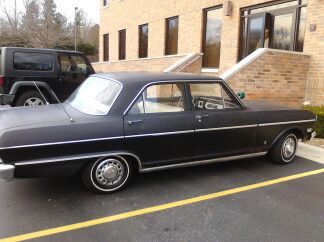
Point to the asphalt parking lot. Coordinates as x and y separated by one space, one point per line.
288 210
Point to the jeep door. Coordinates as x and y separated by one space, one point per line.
73 71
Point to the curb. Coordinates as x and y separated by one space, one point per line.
310 152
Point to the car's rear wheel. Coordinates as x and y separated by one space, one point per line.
284 150
106 175
30 98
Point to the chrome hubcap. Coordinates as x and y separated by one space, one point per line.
288 147
34 101
109 172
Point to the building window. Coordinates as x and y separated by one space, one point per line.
212 37
105 2
276 26
171 37
122 44
106 47
143 41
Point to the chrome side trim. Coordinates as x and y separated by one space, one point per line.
202 162
229 127
160 134
79 157
61 143
288 122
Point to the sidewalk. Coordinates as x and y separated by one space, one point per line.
310 152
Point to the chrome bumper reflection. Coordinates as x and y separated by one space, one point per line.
6 172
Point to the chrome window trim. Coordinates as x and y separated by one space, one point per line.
114 100
61 143
203 162
288 122
169 81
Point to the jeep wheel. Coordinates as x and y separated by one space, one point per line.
30 98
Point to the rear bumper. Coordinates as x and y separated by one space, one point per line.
6 172
6 98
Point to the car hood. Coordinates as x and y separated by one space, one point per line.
25 116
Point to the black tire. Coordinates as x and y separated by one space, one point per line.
284 150
95 176
24 98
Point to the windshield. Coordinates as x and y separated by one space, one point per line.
95 96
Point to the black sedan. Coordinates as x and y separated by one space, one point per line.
118 123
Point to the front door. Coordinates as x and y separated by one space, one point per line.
158 128
222 126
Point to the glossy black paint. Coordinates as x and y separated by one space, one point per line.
42 141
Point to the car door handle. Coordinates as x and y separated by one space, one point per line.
202 116
130 122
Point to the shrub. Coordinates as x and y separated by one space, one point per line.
319 126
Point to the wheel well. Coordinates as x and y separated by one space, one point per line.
299 134
23 89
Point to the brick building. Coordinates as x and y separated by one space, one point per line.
269 49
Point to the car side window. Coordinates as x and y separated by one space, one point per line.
72 63
160 98
210 96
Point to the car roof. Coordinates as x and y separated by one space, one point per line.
143 78
40 50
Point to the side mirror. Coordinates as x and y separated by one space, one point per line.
241 95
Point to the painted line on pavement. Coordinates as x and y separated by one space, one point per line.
108 219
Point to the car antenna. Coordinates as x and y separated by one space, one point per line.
40 93
71 119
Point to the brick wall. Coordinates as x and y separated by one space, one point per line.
276 76
148 64
314 45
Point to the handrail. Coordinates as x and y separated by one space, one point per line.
189 59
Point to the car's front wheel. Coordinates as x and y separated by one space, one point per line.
284 150
107 174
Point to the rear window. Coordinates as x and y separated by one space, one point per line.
24 61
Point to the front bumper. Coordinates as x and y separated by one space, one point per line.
6 98
6 172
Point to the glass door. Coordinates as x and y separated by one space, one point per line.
282 29
255 35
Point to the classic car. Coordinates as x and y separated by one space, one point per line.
119 123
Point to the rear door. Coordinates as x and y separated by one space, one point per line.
159 128
222 126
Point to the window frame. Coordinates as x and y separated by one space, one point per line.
141 94
34 52
228 91
242 50
204 29
140 27
122 56
166 40
105 47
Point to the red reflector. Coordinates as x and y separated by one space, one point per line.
1 80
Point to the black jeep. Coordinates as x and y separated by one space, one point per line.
30 77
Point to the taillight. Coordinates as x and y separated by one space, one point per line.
1 81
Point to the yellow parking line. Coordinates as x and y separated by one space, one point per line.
153 209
